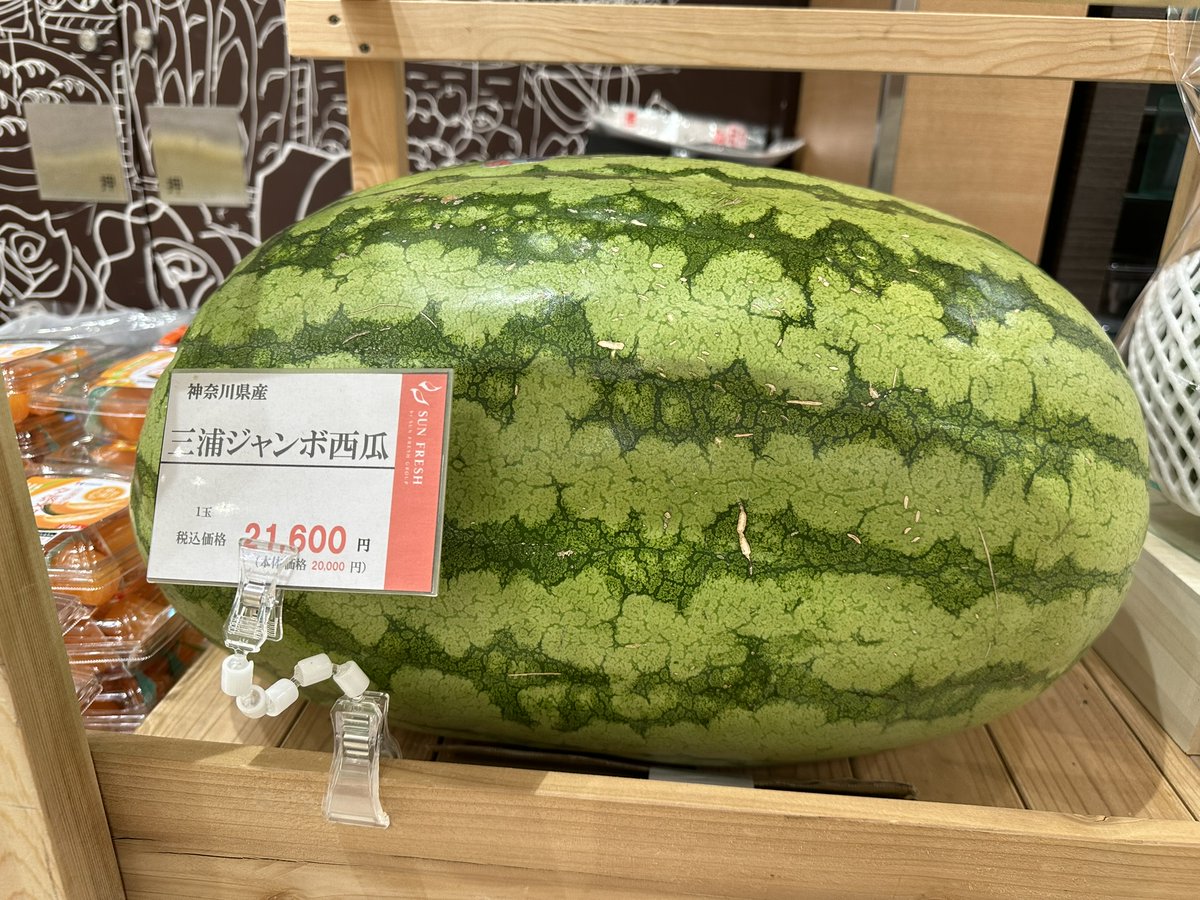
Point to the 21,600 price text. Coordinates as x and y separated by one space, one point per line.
304 538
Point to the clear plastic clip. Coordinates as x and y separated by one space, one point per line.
257 613
360 738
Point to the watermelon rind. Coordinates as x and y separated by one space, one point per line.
746 466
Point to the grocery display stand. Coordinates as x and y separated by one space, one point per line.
146 815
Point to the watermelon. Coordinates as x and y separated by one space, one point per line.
746 466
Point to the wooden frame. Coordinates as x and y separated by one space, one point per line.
200 819
374 36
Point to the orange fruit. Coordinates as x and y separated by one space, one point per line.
122 411
18 406
119 455
24 376
117 533
84 572
68 353
131 616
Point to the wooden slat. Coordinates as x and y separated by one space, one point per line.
996 167
152 875
196 708
837 119
312 730
27 864
55 837
959 768
376 106
1183 227
1153 643
1071 751
838 115
170 801
1038 6
1177 767
1026 46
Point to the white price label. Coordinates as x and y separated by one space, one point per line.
347 467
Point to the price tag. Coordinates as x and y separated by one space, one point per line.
347 467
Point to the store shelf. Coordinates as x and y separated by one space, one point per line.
1153 645
1085 747
1079 794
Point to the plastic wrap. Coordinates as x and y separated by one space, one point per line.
1160 341
128 693
91 558
82 401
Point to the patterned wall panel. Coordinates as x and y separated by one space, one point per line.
84 256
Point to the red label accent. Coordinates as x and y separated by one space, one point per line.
416 484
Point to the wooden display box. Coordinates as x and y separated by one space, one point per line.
1000 809
1078 795
1153 644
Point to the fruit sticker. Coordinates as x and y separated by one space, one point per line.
72 504
141 371
19 349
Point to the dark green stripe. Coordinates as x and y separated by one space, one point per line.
672 569
634 402
759 680
969 296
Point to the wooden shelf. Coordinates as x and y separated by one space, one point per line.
1154 643
1079 794
1085 747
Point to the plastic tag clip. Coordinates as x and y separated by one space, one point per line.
257 613
360 730
360 738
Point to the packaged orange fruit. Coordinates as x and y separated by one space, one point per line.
109 392
128 693
91 454
73 514
40 437
30 366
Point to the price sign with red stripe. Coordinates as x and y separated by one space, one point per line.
347 467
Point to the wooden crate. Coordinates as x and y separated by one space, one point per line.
1085 747
1153 644
1084 763
1079 795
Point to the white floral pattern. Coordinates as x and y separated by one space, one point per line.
80 256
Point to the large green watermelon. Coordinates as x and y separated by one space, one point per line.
746 466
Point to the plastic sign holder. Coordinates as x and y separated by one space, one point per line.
257 613
360 732
360 738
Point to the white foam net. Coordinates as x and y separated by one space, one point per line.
1163 356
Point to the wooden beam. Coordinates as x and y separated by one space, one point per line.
838 116
996 167
1072 751
1183 226
1177 767
55 837
960 768
378 113
1153 644
170 804
1022 46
